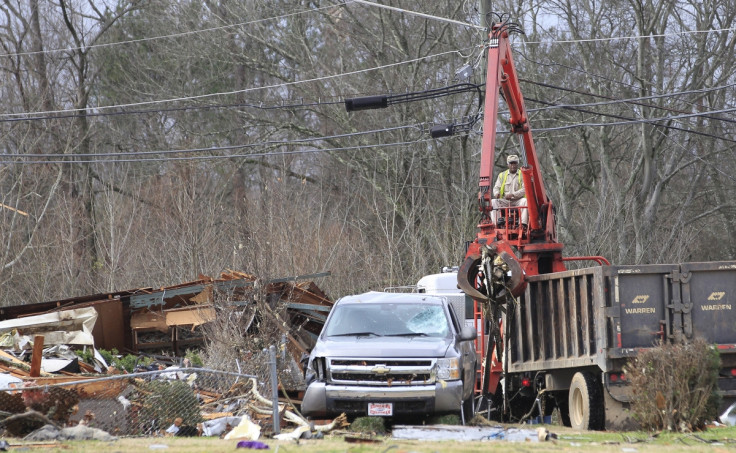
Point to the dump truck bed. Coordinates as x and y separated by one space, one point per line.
603 315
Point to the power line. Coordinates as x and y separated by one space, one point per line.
628 120
418 14
598 76
296 141
341 4
227 156
71 112
614 101
405 97
579 108
418 126
260 106
556 41
170 36
644 120
246 90
630 37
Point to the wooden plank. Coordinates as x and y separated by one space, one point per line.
17 372
9 358
37 356
97 389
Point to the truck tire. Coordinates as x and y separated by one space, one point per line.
468 409
563 407
585 402
557 402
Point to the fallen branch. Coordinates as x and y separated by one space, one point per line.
224 400
29 414
339 422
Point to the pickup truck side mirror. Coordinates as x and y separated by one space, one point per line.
468 333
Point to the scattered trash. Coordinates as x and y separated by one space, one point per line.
158 447
7 380
165 318
178 428
293 435
246 429
4 445
543 434
729 416
252 444
464 433
74 384
219 426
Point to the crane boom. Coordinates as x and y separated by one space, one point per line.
523 252
501 256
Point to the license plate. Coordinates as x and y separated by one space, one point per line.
381 409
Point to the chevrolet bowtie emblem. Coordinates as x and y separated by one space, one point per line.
380 369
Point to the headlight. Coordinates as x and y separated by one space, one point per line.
315 370
448 368
320 367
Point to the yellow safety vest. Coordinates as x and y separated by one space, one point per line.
505 175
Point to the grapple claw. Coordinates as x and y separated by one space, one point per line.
467 275
498 269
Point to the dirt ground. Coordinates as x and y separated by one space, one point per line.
713 440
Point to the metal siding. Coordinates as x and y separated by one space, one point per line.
712 300
569 319
543 306
572 302
557 321
641 297
585 315
554 320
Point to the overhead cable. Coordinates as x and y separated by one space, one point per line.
245 90
295 141
556 41
217 157
170 36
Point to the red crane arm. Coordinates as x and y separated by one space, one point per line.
502 74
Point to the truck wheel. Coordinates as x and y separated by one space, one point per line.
556 402
468 409
563 407
586 402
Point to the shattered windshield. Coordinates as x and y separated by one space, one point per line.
401 320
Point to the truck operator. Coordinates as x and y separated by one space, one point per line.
509 191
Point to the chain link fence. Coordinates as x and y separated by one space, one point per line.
173 401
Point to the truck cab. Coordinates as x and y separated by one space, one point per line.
392 355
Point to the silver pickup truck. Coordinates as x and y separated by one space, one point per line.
392 355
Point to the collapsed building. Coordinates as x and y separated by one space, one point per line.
170 320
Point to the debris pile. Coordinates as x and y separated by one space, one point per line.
53 374
175 401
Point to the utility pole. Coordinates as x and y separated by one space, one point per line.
484 9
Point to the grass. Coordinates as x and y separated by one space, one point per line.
713 440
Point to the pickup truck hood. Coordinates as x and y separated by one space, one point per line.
385 347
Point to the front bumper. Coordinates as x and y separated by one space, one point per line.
325 400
